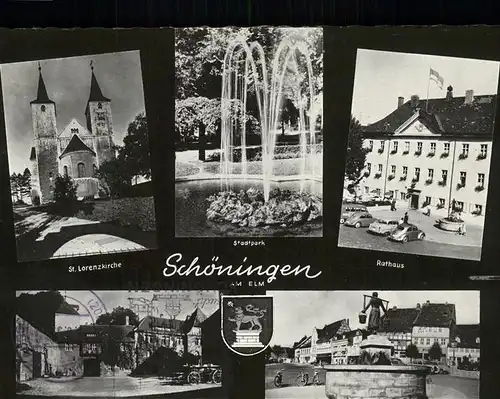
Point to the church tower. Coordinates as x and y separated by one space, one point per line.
44 152
99 121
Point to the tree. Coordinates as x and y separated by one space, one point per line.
15 188
135 152
412 351
133 159
435 352
64 190
39 309
118 317
26 183
356 154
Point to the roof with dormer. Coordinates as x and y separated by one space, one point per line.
74 145
400 320
436 315
329 331
443 115
466 335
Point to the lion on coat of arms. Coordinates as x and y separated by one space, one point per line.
253 319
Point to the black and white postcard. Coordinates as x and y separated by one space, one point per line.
77 142
118 344
248 128
365 344
419 151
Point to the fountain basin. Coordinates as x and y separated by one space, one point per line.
191 210
449 225
373 381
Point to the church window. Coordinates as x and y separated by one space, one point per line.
43 108
99 106
81 169
74 130
65 170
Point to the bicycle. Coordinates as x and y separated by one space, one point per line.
302 379
315 380
278 379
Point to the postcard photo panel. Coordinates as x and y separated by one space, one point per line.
78 149
373 344
419 151
119 344
248 121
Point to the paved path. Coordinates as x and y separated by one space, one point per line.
111 387
96 244
441 387
360 238
473 238
41 235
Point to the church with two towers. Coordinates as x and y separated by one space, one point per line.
76 151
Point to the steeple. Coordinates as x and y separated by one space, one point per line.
95 89
42 96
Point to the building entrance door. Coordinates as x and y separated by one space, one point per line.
414 200
91 368
37 364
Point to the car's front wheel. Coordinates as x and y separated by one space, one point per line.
421 236
357 225
342 220
405 239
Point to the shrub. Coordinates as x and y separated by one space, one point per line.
64 190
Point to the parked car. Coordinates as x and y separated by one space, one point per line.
407 232
383 226
349 209
360 219
396 362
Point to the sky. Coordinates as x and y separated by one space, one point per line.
382 76
68 84
296 313
207 301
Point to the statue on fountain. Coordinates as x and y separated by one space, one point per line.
375 319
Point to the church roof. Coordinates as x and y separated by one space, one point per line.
95 90
447 116
76 144
42 96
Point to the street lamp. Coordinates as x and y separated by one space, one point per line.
454 346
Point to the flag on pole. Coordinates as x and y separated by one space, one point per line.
436 77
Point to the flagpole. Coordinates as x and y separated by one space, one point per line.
428 88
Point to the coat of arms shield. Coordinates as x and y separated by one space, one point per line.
247 323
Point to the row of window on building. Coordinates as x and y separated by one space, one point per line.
483 149
441 202
430 175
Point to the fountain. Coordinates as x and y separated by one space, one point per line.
374 376
240 69
254 186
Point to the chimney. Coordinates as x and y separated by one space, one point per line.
127 320
469 97
415 100
449 93
401 101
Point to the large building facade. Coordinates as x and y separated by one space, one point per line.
76 151
432 152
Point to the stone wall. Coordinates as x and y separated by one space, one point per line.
369 382
137 211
